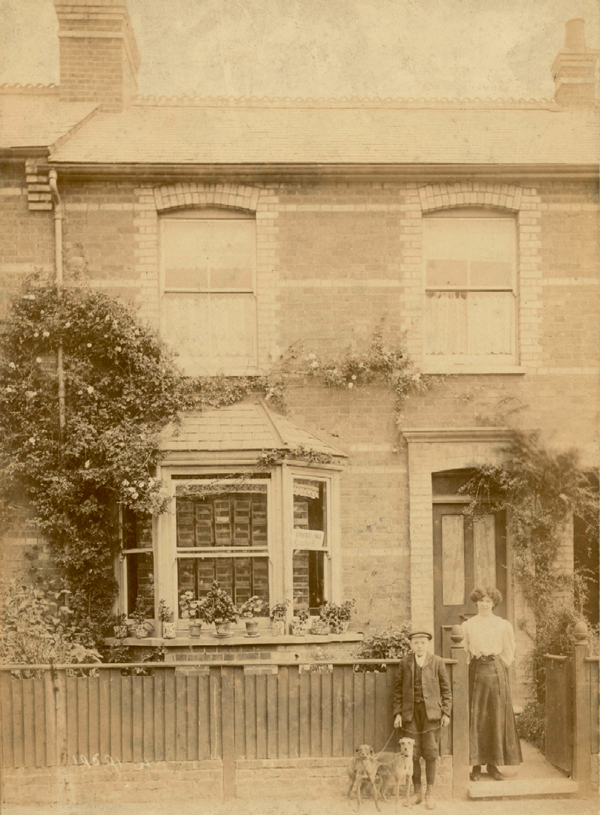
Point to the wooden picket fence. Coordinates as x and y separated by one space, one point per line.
572 711
192 712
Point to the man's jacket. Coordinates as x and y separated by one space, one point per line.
437 693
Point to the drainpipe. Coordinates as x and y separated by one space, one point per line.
58 264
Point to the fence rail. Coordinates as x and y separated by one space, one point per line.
186 711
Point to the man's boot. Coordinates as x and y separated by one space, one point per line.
418 794
429 802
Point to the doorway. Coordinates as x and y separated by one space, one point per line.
465 555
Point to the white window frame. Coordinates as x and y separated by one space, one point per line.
195 366
473 363
280 523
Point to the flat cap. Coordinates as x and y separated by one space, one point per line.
420 632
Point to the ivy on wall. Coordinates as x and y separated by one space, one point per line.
540 490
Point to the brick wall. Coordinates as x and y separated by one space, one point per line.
333 260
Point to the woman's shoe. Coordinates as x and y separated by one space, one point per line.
495 773
476 773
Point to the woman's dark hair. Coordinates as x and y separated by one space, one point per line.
487 591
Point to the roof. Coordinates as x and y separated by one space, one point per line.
239 427
356 133
38 119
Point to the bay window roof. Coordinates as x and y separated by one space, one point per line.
245 426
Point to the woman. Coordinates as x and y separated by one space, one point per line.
490 644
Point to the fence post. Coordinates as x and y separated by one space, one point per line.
460 716
582 745
228 733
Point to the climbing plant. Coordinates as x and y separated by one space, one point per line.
392 366
122 387
541 490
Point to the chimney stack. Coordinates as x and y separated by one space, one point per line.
99 58
574 69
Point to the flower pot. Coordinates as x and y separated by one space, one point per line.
223 629
300 627
320 628
278 628
339 627
121 631
141 631
195 628
252 628
168 631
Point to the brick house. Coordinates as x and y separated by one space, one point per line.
241 227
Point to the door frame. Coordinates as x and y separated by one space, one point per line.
432 450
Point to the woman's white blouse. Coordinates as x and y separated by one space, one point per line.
489 635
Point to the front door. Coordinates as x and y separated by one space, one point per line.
465 555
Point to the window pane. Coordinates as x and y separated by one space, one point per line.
491 322
140 582
446 238
184 255
241 578
187 323
453 560
308 580
492 239
446 323
310 514
496 274
233 325
447 273
136 530
484 545
226 519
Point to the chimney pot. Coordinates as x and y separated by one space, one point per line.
575 34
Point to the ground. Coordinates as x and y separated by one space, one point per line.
331 807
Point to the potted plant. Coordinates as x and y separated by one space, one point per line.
300 622
119 625
337 616
218 607
193 611
278 614
249 611
165 615
141 625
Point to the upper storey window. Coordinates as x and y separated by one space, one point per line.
208 276
470 260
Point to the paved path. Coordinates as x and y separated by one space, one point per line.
324 807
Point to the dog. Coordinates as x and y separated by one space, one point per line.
363 768
397 768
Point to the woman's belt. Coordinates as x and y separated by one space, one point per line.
486 658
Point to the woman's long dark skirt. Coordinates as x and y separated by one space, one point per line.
493 737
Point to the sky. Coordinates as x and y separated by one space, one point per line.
316 48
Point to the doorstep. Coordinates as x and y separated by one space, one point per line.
524 788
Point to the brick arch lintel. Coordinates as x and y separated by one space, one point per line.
192 194
470 194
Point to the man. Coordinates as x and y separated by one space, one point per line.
422 705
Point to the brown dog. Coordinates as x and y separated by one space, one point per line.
363 767
397 768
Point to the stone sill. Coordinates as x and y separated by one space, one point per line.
262 639
472 370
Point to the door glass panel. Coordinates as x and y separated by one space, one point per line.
484 545
453 560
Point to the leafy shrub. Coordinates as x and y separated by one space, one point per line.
38 627
390 643
531 724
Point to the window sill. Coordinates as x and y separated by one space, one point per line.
236 640
471 369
